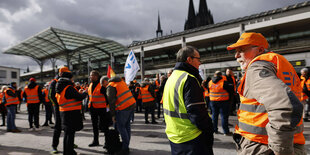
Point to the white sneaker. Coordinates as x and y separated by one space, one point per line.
31 129
37 129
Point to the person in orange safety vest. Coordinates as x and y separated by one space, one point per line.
270 112
122 105
219 90
10 100
305 95
148 100
97 106
33 98
48 107
70 104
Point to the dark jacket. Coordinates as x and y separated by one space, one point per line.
52 93
111 96
71 120
32 85
193 93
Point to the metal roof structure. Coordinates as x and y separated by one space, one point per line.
71 47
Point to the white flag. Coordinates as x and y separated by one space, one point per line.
201 73
131 67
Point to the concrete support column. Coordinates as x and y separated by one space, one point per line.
183 41
142 63
41 71
112 60
53 61
242 28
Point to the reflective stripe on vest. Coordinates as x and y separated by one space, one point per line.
96 99
67 104
175 112
124 97
253 116
146 95
32 95
9 99
217 92
206 92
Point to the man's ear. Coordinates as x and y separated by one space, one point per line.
188 59
261 50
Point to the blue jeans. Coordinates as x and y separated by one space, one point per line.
123 126
11 117
220 107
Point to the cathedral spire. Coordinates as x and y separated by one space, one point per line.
191 17
159 31
204 16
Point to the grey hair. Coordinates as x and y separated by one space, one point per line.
104 78
304 70
183 53
3 87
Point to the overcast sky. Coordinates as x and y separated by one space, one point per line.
121 20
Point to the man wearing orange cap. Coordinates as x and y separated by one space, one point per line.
70 105
270 112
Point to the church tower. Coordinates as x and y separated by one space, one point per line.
191 17
159 31
202 18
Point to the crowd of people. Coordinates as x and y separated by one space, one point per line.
269 100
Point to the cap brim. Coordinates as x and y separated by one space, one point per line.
236 45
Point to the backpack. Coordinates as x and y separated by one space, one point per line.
113 143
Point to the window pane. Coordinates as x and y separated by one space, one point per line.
2 73
14 75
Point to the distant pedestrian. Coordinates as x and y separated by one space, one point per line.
10 100
33 97
148 100
2 107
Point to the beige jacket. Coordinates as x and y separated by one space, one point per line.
282 106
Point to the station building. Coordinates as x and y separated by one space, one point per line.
8 75
286 29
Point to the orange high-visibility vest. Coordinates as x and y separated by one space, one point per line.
304 82
9 99
124 97
97 99
1 97
67 104
253 116
206 93
217 92
45 91
146 95
139 93
32 95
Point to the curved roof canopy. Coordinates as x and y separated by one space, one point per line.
68 46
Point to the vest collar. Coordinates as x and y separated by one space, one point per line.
189 69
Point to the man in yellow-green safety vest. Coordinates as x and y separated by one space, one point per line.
188 125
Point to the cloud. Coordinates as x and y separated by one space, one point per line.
121 20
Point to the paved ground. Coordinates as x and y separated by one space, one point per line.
146 139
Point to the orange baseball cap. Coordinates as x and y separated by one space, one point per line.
250 38
64 69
